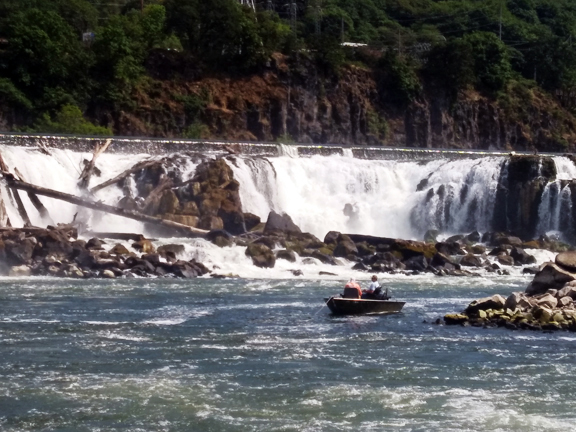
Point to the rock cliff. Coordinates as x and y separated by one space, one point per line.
292 101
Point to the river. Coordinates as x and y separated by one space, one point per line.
263 355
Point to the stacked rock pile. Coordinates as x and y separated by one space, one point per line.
547 304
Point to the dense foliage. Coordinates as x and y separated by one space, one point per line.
74 56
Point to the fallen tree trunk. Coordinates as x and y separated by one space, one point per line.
16 195
34 198
130 214
139 166
84 178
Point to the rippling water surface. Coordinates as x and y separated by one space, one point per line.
251 355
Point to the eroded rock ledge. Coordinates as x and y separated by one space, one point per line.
547 303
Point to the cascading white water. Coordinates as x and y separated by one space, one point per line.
454 195
387 198
555 210
60 171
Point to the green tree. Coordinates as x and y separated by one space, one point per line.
491 60
44 53
120 51
69 120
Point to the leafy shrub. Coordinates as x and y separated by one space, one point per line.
69 120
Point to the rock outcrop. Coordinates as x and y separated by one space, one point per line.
547 304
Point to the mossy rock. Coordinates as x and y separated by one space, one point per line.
455 318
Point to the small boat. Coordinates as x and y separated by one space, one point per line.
347 306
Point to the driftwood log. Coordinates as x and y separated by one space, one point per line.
33 197
16 196
139 166
84 179
12 182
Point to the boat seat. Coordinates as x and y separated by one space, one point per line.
351 293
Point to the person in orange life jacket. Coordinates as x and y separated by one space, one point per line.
349 289
373 289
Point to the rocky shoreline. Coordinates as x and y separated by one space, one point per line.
547 303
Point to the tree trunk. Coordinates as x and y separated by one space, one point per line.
130 214
139 166
89 168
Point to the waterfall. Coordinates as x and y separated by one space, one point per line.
555 210
59 170
329 190
386 197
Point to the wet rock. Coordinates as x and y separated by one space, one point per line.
144 246
360 266
478 249
345 247
269 241
325 273
548 301
498 251
251 221
494 302
287 255
297 272
508 240
280 222
521 257
455 239
152 258
549 276
108 274
441 260
323 258
513 300
505 259
567 260
95 243
566 302
455 319
262 255
567 291
19 253
331 238
210 222
449 248
171 250
473 237
119 249
416 263
232 220
471 260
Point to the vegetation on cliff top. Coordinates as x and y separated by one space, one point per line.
62 58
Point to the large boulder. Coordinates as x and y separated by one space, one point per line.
521 257
471 260
567 291
416 263
19 252
549 276
345 247
567 260
449 248
233 220
495 302
262 255
251 221
286 254
280 222
548 300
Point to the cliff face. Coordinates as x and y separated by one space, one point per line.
292 101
